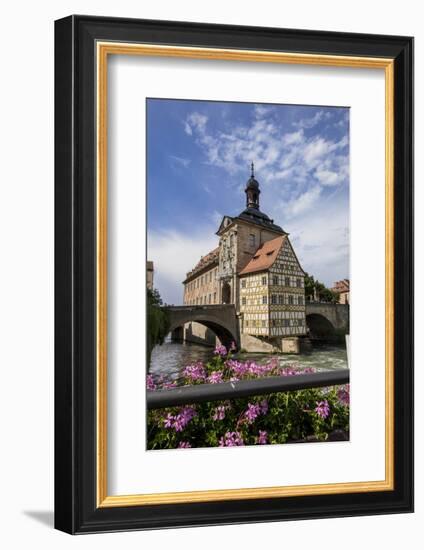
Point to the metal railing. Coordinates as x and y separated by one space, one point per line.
200 393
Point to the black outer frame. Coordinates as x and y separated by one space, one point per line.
75 275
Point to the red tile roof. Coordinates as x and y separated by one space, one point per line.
265 256
205 261
341 286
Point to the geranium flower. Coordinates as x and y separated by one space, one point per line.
184 445
231 439
343 395
195 372
237 367
215 377
263 405
219 413
252 412
150 383
169 420
263 437
179 422
221 351
322 409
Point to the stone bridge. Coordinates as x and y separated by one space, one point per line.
221 319
327 320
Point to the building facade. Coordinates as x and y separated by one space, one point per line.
201 286
255 268
272 292
342 288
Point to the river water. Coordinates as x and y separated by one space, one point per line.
169 358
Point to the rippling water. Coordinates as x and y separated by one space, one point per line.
168 359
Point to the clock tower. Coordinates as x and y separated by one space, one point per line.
252 190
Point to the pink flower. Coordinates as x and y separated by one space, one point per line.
183 418
231 439
221 351
252 412
184 445
263 437
263 406
179 422
343 395
288 371
169 420
322 409
215 377
195 372
150 382
237 367
219 413
273 363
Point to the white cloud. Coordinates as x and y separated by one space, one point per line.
303 202
278 155
195 121
294 170
180 161
343 121
174 254
262 110
321 240
327 177
310 122
293 137
314 150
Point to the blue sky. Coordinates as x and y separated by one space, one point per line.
198 158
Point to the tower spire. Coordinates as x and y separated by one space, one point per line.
252 190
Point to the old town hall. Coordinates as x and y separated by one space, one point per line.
256 269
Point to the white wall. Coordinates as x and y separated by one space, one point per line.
26 274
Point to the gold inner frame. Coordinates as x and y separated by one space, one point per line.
104 49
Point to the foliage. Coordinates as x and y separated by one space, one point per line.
309 286
157 321
276 418
314 287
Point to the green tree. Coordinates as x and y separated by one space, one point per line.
157 321
314 287
309 286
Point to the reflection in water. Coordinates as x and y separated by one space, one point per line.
168 359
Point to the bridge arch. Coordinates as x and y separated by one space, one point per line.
221 320
319 326
337 316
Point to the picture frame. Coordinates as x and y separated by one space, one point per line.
82 47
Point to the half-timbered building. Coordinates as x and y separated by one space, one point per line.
255 268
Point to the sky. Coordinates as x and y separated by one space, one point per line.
198 163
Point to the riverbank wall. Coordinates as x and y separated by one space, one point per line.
196 334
